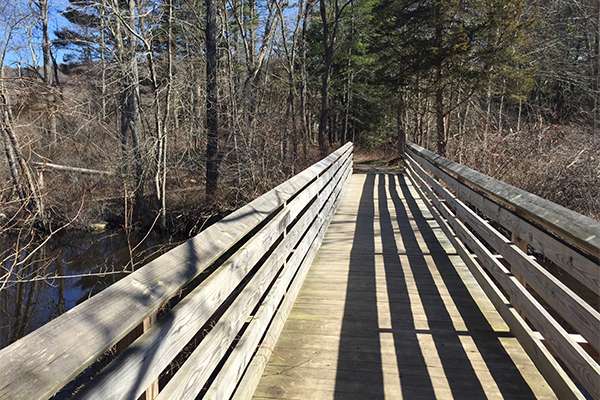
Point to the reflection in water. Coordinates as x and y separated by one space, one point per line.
38 283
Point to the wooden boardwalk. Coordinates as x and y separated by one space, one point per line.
389 311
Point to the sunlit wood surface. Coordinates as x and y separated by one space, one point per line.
389 311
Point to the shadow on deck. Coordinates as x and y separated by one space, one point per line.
389 311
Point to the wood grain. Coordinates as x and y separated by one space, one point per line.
584 269
556 377
578 361
191 377
247 385
582 231
38 365
580 315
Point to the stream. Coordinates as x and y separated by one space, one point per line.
40 282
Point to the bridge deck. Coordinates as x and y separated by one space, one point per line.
389 311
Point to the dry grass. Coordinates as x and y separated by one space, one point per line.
558 163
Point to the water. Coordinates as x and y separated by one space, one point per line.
43 281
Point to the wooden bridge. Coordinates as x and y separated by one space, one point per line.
438 283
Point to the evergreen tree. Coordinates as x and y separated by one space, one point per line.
441 47
82 37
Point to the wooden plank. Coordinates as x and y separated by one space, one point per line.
556 377
152 391
579 362
251 377
580 230
578 313
350 355
225 382
227 379
582 268
191 314
522 245
191 377
142 362
579 339
38 365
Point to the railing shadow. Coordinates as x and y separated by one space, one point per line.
358 343
413 341
506 376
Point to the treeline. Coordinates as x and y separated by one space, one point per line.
184 105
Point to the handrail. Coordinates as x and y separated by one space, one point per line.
248 268
536 223
578 229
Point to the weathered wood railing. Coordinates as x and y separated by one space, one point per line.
248 269
492 225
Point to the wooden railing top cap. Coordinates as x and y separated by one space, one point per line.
576 228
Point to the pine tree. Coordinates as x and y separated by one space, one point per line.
433 46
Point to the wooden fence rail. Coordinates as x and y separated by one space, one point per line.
502 234
248 269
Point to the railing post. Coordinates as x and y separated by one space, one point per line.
521 244
152 390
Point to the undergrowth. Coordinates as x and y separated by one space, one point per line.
558 163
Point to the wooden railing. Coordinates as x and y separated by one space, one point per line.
241 274
510 240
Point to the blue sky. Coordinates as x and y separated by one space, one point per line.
18 18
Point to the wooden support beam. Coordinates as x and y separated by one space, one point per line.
521 244
152 391
577 338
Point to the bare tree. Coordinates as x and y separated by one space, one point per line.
306 126
24 180
290 51
50 117
212 103
330 29
126 40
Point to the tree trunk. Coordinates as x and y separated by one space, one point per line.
500 114
160 176
324 107
439 93
50 117
212 116
489 108
23 179
328 48
290 112
596 71
347 101
303 84
255 65
348 91
439 122
399 126
43 5
102 57
130 111
519 116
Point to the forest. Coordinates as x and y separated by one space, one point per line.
189 104
163 115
